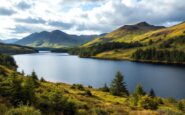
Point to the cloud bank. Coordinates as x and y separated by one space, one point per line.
22 17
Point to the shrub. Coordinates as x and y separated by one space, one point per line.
148 103
152 93
78 86
159 100
171 100
44 103
34 75
90 86
8 61
180 106
70 108
88 93
139 90
23 110
16 90
42 79
56 103
133 99
169 112
150 42
105 88
28 92
99 111
3 109
82 112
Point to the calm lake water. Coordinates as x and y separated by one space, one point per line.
166 80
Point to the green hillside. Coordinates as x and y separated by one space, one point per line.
15 49
125 33
163 39
167 45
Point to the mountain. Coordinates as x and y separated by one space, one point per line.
54 39
159 44
10 41
125 33
168 42
15 49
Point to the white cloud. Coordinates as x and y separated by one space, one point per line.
86 16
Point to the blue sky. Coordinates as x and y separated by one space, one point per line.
19 18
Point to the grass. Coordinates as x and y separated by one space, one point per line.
99 101
104 100
120 54
123 34
15 49
157 37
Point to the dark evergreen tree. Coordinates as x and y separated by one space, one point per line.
58 102
34 75
118 86
16 91
181 106
42 79
29 91
152 93
61 105
139 90
8 61
22 72
105 88
34 78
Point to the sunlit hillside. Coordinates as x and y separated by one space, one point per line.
125 33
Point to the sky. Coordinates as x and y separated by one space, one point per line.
19 18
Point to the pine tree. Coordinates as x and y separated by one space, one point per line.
29 91
105 88
16 91
139 90
118 86
34 75
34 78
58 102
42 79
152 93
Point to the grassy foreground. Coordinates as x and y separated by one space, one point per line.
27 95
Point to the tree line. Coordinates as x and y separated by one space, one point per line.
168 43
7 61
172 56
98 48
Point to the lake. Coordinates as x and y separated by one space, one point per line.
166 80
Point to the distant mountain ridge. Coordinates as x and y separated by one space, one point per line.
10 41
54 39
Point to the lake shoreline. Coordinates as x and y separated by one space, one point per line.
72 69
132 60
141 61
